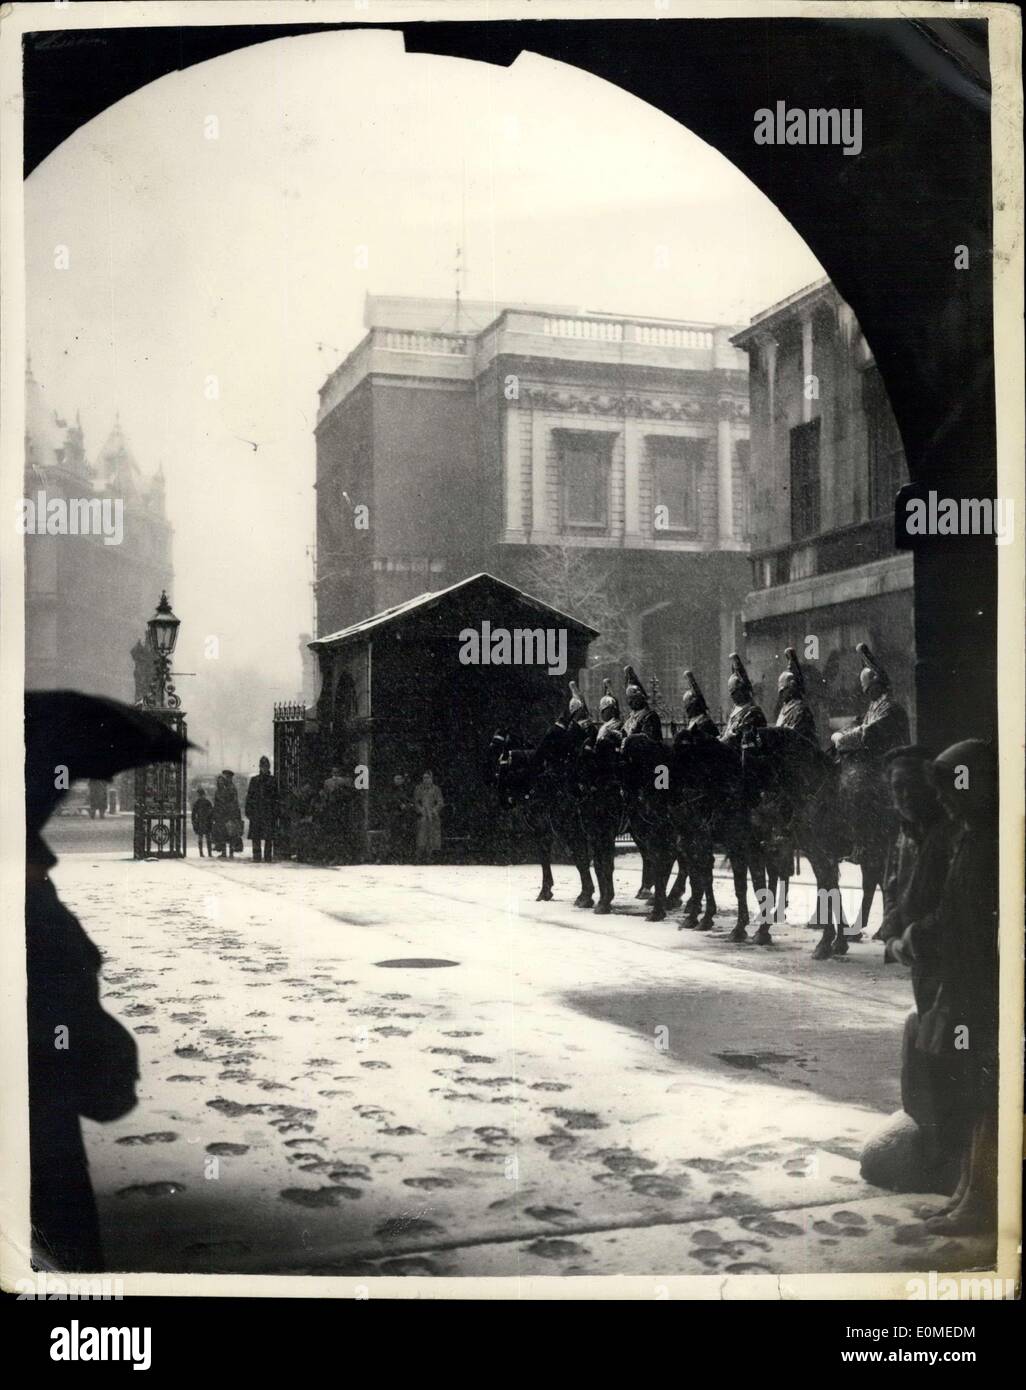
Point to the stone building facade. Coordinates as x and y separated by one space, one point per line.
827 461
599 462
87 603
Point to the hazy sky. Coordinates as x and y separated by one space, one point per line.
239 257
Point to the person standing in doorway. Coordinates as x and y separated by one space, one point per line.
428 803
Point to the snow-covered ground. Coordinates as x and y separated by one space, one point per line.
569 1094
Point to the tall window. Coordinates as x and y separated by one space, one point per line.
886 458
805 480
743 488
675 467
584 471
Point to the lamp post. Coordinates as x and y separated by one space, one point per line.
161 789
161 638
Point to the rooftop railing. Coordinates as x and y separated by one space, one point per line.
628 331
436 344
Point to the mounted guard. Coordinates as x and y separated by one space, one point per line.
696 712
746 715
794 712
642 718
885 723
610 718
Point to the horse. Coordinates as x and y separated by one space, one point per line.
536 784
831 808
597 775
712 806
645 776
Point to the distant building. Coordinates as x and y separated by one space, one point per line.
600 462
827 461
86 602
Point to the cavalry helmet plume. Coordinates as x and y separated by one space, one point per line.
792 672
871 665
578 704
739 680
632 680
694 700
609 705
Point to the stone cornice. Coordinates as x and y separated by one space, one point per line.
631 405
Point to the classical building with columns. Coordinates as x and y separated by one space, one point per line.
596 460
827 461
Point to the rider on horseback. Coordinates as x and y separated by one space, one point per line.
610 721
696 711
746 715
794 711
885 723
642 718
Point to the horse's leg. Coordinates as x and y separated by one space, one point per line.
705 890
587 893
662 863
739 869
692 864
645 891
872 873
582 858
676 893
776 888
604 859
757 868
828 908
543 845
710 899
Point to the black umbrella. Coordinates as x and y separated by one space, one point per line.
90 736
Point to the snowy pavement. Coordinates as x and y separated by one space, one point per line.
569 1094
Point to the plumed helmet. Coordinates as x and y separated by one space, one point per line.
578 704
792 672
871 666
632 679
738 681
694 700
609 705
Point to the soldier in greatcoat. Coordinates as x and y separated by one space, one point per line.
745 714
885 722
696 712
610 719
794 710
642 718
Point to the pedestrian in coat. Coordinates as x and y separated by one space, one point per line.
262 811
81 1060
226 828
962 1026
202 821
428 803
913 882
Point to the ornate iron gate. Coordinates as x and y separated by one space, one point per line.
289 722
161 800
288 746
